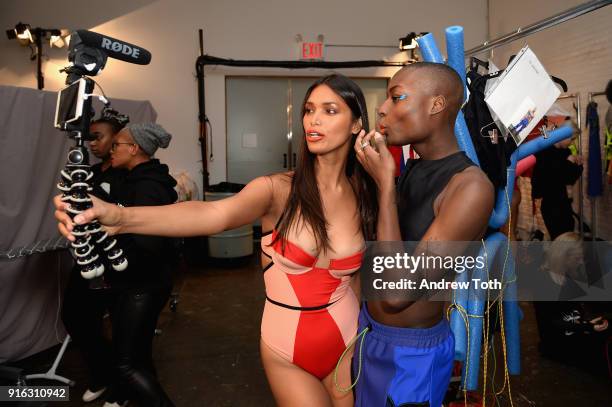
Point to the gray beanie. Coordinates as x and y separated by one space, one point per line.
149 136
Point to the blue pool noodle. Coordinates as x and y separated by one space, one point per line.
456 53
512 317
476 305
458 321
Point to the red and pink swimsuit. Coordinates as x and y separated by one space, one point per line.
311 312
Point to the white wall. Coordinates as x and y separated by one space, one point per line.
239 29
578 51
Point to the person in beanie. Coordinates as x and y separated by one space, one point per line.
140 292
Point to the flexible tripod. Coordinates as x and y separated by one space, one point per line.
91 241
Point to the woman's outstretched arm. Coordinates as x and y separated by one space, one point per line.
193 218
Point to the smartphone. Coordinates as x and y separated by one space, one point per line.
69 107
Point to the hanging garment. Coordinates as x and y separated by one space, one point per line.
595 183
608 151
493 151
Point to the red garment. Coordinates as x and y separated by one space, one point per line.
396 151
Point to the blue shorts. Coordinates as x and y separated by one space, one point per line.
402 366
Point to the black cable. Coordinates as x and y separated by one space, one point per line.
211 138
101 90
210 60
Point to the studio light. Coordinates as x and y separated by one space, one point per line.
408 42
56 39
23 32
33 37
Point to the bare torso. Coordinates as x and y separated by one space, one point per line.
424 313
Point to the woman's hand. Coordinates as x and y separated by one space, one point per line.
379 162
108 215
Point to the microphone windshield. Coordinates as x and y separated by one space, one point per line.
115 48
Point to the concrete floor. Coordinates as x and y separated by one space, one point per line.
208 351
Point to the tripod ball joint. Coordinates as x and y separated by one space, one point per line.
75 157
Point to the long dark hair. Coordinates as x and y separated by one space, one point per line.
304 202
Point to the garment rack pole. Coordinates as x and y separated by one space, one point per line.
593 94
577 108
539 26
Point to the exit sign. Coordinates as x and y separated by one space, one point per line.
312 50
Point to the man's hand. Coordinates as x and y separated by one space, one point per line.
107 214
379 162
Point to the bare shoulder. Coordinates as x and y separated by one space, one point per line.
281 179
472 185
473 178
465 207
280 185
470 188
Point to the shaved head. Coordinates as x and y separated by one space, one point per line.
422 103
436 80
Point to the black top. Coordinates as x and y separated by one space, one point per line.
151 259
552 173
419 186
105 182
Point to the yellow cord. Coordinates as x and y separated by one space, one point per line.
499 300
501 313
486 333
465 316
361 334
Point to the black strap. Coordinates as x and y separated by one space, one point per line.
268 266
291 307
280 219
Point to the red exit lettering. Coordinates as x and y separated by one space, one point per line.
312 50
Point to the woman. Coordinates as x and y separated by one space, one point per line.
139 293
317 217
571 331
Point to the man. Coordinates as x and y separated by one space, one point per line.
408 350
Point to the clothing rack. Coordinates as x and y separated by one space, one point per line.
594 94
521 32
578 109
533 28
594 200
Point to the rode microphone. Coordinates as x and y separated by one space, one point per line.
112 47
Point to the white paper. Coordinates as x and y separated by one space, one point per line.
522 96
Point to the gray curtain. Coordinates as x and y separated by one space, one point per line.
32 153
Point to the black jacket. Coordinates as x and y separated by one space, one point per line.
552 173
151 259
104 183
